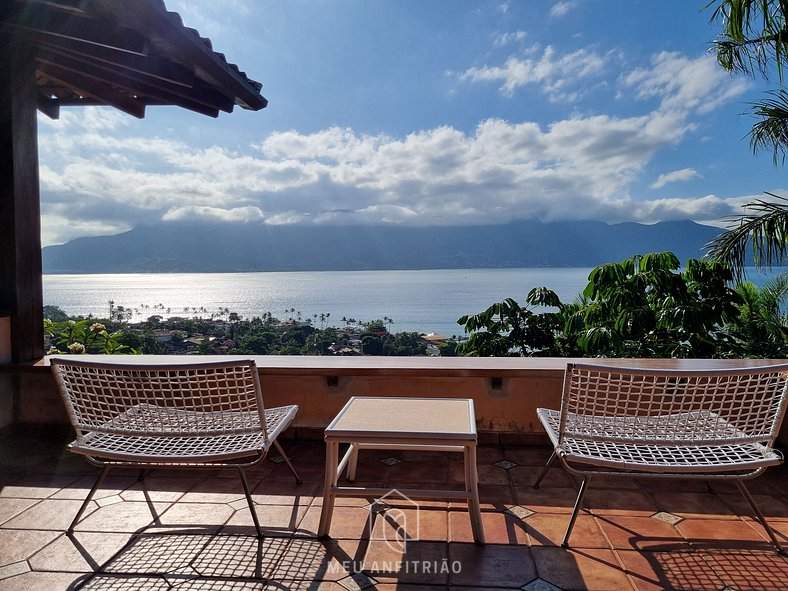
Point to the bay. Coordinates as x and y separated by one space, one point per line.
428 301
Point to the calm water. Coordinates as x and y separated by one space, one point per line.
424 301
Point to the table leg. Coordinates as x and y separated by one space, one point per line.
353 462
332 457
472 487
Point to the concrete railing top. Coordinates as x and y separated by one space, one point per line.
379 365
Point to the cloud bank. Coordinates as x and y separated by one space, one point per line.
98 178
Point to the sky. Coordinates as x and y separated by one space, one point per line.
426 112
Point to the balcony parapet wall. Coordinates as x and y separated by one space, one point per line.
506 391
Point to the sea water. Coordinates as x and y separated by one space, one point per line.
428 301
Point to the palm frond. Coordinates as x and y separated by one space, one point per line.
771 131
764 229
754 36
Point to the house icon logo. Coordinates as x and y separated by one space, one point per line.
394 519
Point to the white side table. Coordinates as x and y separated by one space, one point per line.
431 424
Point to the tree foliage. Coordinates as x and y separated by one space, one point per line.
644 306
508 329
761 328
83 336
763 231
754 41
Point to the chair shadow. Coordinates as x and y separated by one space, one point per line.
224 560
717 566
674 563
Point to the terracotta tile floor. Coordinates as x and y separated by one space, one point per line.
192 530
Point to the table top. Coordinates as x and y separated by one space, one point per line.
395 417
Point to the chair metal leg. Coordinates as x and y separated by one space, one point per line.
249 500
545 469
102 475
287 461
759 515
578 502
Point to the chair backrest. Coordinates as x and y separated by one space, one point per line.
673 407
168 400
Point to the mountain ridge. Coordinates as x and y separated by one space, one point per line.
238 247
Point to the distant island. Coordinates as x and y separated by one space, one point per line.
230 247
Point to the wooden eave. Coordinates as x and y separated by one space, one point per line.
126 54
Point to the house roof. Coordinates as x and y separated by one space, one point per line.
126 54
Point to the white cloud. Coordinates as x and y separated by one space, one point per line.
93 118
685 84
59 225
503 39
560 9
550 72
708 209
103 179
684 174
206 213
579 167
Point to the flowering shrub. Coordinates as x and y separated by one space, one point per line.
83 336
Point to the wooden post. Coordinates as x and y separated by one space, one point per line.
21 292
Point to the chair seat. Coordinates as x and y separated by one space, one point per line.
610 449
210 437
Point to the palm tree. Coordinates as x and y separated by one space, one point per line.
764 230
761 328
754 40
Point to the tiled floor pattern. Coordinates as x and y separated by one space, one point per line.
192 530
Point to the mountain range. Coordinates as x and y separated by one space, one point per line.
230 247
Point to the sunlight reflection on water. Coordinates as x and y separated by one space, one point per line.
425 301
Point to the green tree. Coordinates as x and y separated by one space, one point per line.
508 329
260 340
55 314
409 344
119 314
761 327
645 307
373 344
318 342
448 349
754 41
376 327
143 341
294 339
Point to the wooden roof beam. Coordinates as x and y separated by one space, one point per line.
86 31
73 7
199 94
149 65
141 88
48 106
136 83
87 87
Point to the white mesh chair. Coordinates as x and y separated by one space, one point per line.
170 416
668 423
